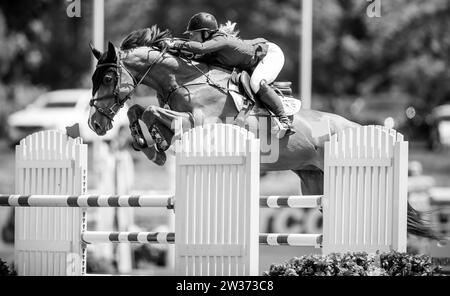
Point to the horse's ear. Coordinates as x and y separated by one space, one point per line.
111 52
97 54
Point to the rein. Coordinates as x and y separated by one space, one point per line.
112 110
208 81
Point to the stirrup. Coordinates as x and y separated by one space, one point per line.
284 132
284 129
278 130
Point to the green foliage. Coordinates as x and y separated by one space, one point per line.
356 264
4 269
397 264
406 49
43 45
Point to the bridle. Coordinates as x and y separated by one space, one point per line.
112 110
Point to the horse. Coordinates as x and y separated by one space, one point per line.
195 92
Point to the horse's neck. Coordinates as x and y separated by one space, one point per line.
189 85
174 73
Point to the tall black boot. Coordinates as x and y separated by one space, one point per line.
270 98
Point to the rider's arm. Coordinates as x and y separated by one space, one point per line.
209 46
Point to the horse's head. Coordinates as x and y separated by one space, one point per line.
112 85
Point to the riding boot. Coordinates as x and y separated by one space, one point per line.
273 102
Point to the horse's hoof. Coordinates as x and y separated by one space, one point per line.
161 143
160 158
135 146
140 142
139 145
154 155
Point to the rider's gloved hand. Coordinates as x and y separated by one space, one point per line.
168 43
173 44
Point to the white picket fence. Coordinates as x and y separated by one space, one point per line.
366 179
216 201
46 239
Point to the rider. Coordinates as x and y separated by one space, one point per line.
258 56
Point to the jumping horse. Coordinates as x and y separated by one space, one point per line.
195 93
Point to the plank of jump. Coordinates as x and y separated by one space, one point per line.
87 200
271 239
291 201
128 237
285 239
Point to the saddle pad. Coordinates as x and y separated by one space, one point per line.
291 105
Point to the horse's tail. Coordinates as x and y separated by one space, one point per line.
419 226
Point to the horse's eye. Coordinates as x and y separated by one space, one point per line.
107 79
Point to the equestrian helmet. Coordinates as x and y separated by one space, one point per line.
202 22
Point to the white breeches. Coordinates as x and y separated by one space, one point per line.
269 67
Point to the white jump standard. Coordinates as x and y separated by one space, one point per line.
216 201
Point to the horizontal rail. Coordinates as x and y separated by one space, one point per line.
90 237
271 239
291 201
87 201
280 239
168 201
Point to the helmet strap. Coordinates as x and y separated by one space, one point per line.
204 35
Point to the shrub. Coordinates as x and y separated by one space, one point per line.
356 264
4 269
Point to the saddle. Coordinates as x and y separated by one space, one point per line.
245 99
243 96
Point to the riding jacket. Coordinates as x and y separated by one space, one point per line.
228 51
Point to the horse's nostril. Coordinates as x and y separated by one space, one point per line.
97 126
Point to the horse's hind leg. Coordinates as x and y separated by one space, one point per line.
311 181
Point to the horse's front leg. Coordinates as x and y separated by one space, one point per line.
161 125
135 113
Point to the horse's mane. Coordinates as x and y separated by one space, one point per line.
229 28
144 37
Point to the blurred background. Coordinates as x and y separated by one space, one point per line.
392 69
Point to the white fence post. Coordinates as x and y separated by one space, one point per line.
400 207
365 191
47 240
217 201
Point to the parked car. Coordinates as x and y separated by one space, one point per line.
58 109
439 121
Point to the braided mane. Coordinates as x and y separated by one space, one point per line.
144 37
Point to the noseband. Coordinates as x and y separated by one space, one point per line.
112 110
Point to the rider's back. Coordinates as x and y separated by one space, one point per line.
229 51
